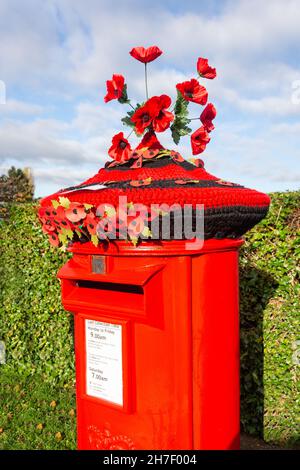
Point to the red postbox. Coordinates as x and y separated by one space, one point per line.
157 345
156 322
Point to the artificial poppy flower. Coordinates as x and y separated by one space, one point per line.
148 148
176 156
58 212
53 239
205 70
197 162
153 113
199 140
138 183
48 226
193 91
42 213
208 114
186 181
136 226
150 141
120 149
75 212
162 121
106 228
115 88
144 115
90 222
145 55
64 224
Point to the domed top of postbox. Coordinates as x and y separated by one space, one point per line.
143 186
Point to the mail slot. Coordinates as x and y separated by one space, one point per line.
157 345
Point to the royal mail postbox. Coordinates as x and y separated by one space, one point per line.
157 345
156 316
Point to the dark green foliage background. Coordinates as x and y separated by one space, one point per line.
270 314
39 337
36 329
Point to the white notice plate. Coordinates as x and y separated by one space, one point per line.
104 377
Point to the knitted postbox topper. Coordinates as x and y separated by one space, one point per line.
139 189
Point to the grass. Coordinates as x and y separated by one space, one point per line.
36 415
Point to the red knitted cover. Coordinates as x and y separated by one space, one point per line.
230 209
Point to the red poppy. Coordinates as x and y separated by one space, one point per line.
153 113
208 114
193 91
162 121
137 183
186 181
176 156
106 228
53 239
144 115
150 141
115 88
145 55
75 212
136 226
64 224
90 222
204 69
199 140
120 149
57 213
48 226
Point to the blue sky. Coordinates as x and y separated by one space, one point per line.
57 54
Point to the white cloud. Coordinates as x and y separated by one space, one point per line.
61 52
20 107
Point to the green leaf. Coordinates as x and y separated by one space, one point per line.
95 240
64 202
55 203
127 121
124 98
181 105
147 232
180 127
70 234
63 238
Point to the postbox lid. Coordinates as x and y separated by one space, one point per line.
144 185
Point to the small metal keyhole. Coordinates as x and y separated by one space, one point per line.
98 264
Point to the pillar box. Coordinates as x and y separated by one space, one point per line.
153 284
157 345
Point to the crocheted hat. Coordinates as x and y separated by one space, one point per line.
155 181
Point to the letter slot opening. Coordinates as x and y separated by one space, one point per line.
111 286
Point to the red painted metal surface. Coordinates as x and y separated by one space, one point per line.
178 311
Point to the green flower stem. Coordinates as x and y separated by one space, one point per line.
130 134
146 81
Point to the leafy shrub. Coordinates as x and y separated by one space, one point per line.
269 311
36 329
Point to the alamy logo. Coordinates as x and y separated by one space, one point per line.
296 93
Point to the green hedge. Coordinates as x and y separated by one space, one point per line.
270 306
39 338
36 329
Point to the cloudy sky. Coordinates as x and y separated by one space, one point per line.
56 55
